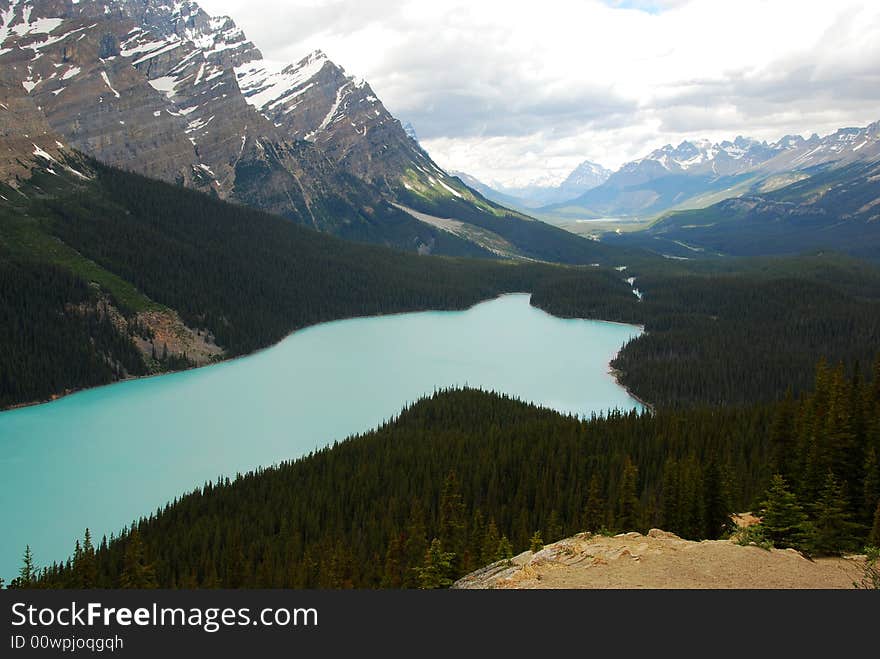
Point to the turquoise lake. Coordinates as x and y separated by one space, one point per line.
103 457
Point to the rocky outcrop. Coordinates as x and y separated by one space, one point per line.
662 560
166 332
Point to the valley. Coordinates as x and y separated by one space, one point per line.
186 98
154 438
254 335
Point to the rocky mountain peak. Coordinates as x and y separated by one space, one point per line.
410 130
585 176
317 101
165 89
790 142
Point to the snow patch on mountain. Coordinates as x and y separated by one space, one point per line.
165 84
585 176
107 82
341 94
267 84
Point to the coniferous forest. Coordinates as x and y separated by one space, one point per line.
248 277
742 418
465 478
729 338
53 335
251 278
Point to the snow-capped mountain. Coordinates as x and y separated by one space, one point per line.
163 88
836 208
410 130
697 173
550 188
586 176
842 147
315 100
700 157
490 192
791 152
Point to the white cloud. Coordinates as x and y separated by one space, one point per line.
507 90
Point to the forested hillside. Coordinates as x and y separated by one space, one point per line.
530 237
734 331
718 331
464 478
829 208
53 336
245 277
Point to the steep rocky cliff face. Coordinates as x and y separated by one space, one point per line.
315 100
164 89
25 137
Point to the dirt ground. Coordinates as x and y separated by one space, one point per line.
662 560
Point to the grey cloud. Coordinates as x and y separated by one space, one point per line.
468 115
457 81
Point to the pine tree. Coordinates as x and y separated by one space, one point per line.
336 567
554 527
596 508
89 566
437 570
716 512
491 543
452 519
847 456
136 572
871 488
783 518
671 497
188 581
211 580
628 516
874 538
393 574
831 529
235 574
692 509
505 549
475 542
75 567
783 442
28 572
817 449
536 543
416 543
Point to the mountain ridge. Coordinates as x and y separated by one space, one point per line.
169 91
541 191
833 208
697 173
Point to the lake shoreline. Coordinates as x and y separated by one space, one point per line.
134 378
616 373
154 441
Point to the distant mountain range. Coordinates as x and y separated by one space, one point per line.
831 208
544 191
162 88
694 174
698 174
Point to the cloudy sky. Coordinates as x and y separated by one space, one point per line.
513 91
